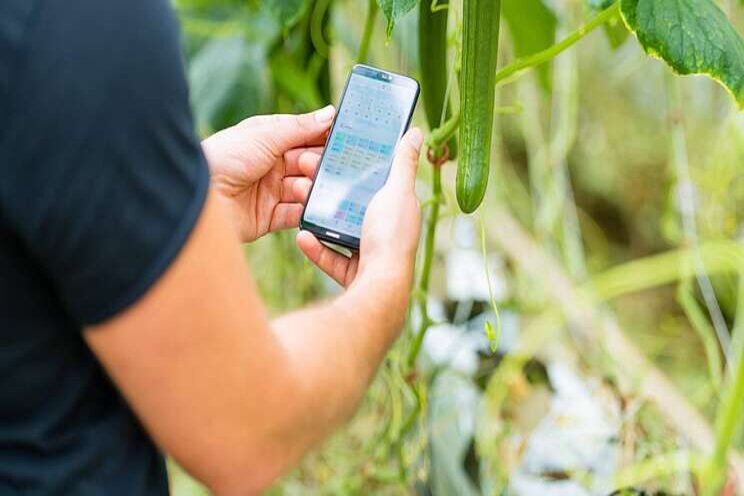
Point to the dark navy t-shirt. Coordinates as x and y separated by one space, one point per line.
101 181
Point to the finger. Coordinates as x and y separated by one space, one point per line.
403 172
281 133
258 120
285 216
295 189
308 164
264 122
296 160
340 268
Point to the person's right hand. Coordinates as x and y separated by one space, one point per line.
390 232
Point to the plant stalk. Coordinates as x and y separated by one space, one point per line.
700 324
730 411
443 133
369 29
422 288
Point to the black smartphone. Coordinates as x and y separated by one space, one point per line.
374 113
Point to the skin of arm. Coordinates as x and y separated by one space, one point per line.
235 398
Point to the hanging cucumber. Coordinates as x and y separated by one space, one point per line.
480 46
433 61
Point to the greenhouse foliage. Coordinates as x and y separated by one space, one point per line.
581 331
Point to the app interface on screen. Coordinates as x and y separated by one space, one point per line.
359 153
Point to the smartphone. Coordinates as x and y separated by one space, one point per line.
374 113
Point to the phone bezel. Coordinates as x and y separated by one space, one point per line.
329 235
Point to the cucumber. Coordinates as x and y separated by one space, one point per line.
480 47
433 62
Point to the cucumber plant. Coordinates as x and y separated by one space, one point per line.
690 36
480 48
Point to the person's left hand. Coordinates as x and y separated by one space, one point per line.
263 167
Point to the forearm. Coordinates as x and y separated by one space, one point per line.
334 349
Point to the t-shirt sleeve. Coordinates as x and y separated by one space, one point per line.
105 176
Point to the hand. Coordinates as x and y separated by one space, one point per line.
263 167
390 232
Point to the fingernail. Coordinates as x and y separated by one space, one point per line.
415 137
325 114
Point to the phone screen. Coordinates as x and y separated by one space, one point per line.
374 113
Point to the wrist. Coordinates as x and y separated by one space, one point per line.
393 268
231 212
387 286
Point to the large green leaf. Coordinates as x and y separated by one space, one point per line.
213 72
692 36
295 82
532 28
226 82
394 10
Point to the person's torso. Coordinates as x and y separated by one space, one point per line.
64 429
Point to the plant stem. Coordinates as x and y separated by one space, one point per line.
700 324
730 411
422 288
317 20
444 132
369 28
686 206
550 52
493 341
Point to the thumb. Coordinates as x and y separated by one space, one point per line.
283 132
403 172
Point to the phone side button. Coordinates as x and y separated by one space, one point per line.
333 234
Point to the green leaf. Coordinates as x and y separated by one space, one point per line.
213 72
692 36
287 12
532 28
226 82
394 10
295 82
493 339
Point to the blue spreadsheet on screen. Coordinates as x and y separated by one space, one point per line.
358 154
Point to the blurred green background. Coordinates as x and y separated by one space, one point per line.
601 157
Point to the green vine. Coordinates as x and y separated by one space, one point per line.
369 28
552 51
421 291
446 130
316 28
436 144
730 410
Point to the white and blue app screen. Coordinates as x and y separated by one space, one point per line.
371 119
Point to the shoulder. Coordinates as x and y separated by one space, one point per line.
105 174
